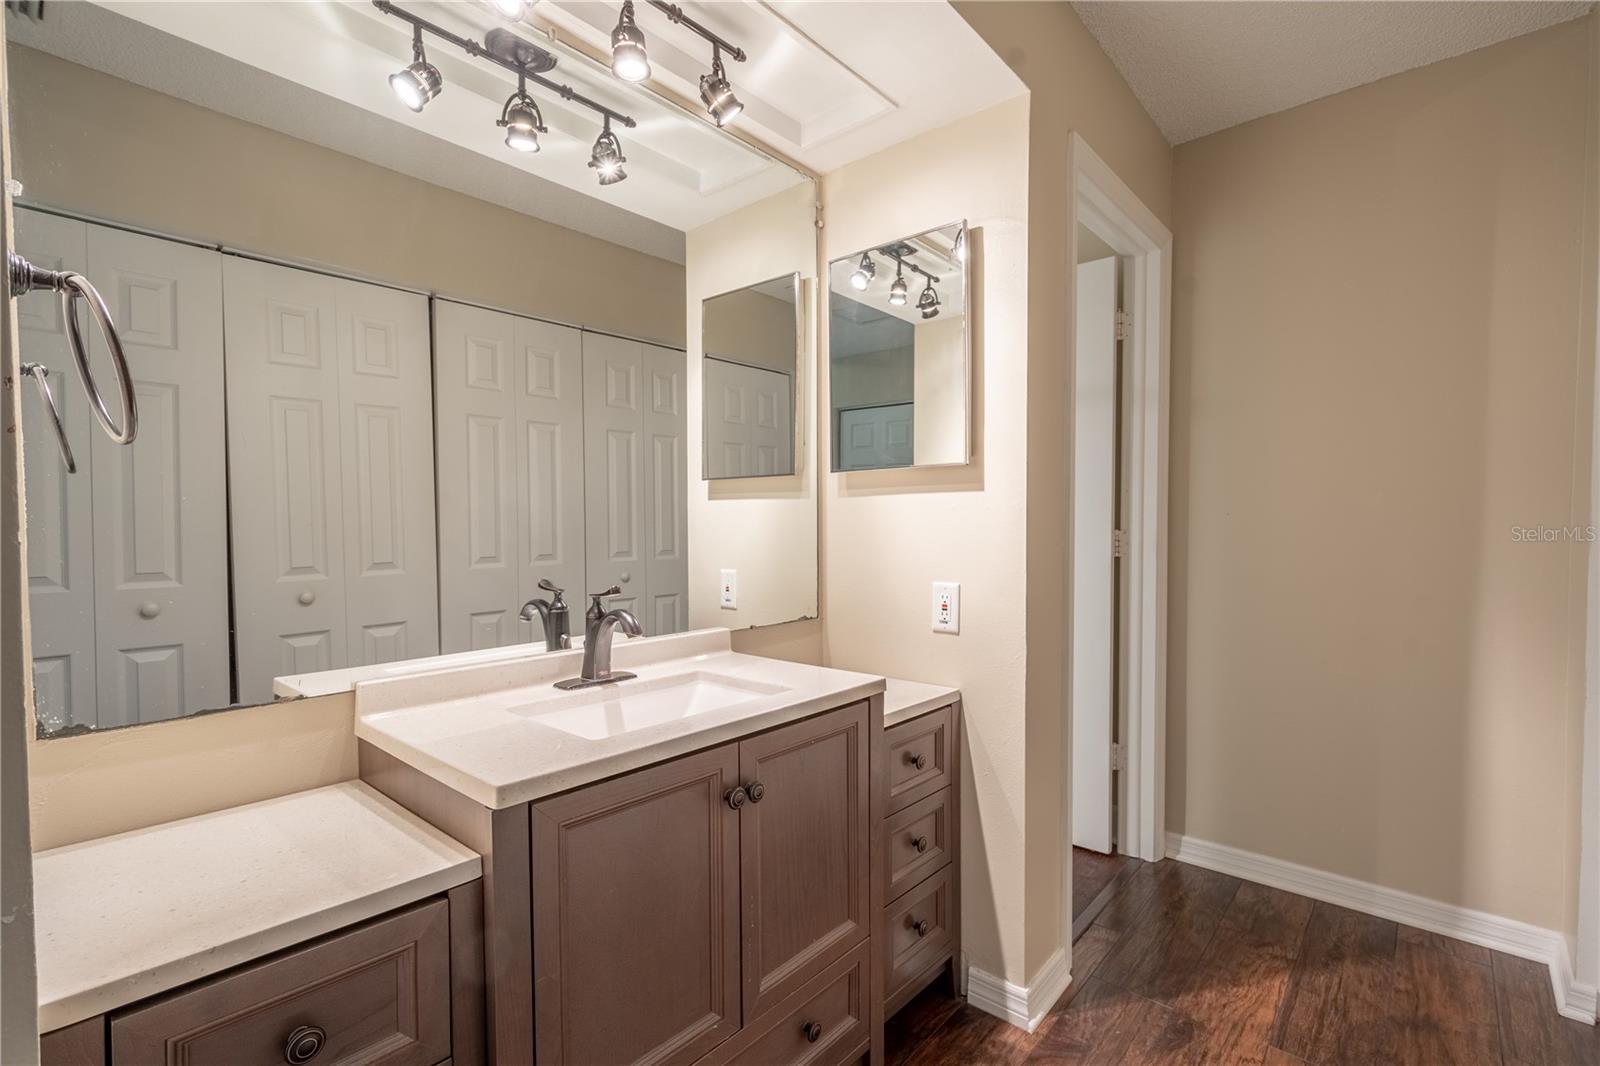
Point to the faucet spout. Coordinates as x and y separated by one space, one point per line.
601 628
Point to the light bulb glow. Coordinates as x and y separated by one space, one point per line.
864 273
522 122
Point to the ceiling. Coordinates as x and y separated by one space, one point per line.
824 84
1201 66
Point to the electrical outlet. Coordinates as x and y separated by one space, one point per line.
729 590
947 607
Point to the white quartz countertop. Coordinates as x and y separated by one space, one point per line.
501 735
127 916
905 700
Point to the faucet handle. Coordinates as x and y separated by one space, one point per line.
614 590
550 586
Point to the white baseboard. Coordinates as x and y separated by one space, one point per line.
1022 1005
1475 927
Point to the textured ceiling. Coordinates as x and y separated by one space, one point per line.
1200 66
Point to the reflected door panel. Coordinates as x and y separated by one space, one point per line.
749 432
873 437
666 490
614 474
549 368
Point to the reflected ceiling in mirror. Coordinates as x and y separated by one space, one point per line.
751 338
899 353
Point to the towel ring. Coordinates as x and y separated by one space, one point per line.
25 277
40 374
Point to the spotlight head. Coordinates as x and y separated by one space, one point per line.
897 291
419 82
928 302
864 273
511 9
607 157
717 94
630 61
522 122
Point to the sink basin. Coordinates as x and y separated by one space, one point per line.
627 706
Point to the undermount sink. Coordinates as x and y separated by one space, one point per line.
612 710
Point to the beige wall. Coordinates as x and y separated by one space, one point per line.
872 378
752 328
765 528
1376 355
91 143
941 391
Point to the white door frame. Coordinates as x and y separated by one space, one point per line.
1579 998
1103 203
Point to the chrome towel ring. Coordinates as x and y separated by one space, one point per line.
25 278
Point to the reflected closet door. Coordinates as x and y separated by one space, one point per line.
160 504
550 463
283 458
60 505
614 472
666 490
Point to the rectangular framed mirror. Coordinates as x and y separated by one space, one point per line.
899 353
752 338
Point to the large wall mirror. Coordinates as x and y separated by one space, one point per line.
751 339
899 357
397 375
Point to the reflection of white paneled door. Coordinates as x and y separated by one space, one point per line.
748 431
510 452
329 401
873 437
128 557
635 467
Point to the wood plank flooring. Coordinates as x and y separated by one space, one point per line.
1186 966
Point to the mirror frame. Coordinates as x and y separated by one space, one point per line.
797 380
967 262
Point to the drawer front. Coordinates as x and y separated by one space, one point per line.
917 842
921 753
826 1022
377 994
916 930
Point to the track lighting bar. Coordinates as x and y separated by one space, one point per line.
473 48
675 14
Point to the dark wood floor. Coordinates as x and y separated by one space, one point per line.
1092 873
1188 966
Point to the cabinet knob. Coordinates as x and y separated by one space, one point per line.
307 598
755 790
736 797
813 1031
917 759
921 927
920 843
149 609
303 1044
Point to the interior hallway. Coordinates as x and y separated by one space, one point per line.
1184 965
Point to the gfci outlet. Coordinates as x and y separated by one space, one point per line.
947 607
728 594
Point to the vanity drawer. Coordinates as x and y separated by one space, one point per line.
833 1008
379 993
906 951
921 755
916 842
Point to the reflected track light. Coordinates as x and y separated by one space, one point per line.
864 273
717 94
959 249
511 9
630 60
419 82
607 157
897 291
928 302
521 120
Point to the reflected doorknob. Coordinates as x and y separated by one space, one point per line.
149 609
625 577
307 598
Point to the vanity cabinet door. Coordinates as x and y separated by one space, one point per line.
636 915
803 852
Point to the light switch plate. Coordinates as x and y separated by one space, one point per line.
729 590
947 607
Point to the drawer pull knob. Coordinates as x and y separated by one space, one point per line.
813 1031
756 790
303 1044
917 759
920 843
921 927
736 797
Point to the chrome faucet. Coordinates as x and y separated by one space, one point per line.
599 627
553 614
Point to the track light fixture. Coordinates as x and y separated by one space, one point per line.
511 9
607 157
928 302
897 291
521 120
630 60
864 273
717 94
419 82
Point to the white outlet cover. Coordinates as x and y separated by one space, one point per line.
728 590
947 607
